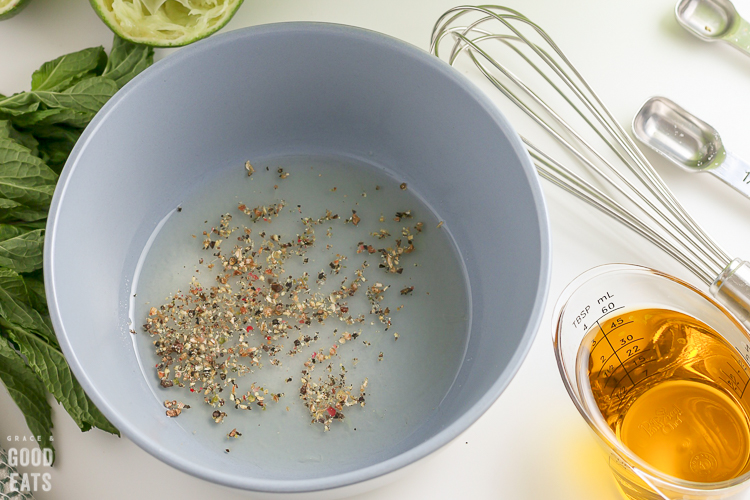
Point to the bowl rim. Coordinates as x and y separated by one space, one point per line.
437 441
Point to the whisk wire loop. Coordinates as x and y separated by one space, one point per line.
667 224
560 176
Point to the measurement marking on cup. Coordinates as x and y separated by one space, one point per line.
604 298
596 321
623 346
619 326
730 382
634 385
626 391
739 368
617 384
740 373
613 349
638 363
604 362
734 381
609 312
627 372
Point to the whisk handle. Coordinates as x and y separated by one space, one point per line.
732 289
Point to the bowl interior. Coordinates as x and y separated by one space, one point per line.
276 91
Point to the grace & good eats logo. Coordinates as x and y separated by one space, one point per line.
22 451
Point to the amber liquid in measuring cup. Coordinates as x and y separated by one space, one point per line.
673 391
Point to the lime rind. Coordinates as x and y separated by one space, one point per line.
165 23
9 8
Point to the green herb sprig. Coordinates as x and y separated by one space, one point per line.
38 129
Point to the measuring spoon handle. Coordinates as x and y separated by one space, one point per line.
739 37
735 172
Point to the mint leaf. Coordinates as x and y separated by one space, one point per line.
57 142
32 118
17 104
37 295
49 365
24 178
23 138
88 95
21 249
127 59
38 129
58 73
28 392
15 306
28 226
55 153
7 205
12 210
44 117
59 132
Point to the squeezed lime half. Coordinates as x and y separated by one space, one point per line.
165 23
9 8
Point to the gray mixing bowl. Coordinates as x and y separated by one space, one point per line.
277 90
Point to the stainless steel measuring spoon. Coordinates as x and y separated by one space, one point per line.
713 20
689 142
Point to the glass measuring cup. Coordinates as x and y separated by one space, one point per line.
595 316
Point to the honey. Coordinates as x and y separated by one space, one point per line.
672 390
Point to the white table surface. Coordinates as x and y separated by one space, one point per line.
531 444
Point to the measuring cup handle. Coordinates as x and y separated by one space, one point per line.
732 289
735 172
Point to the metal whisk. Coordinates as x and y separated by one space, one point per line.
553 94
